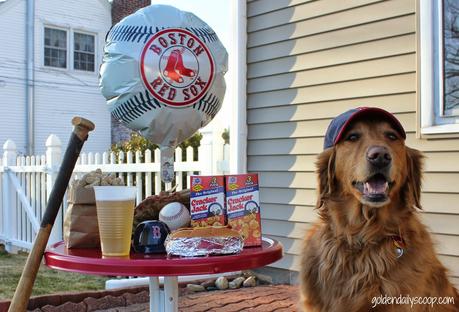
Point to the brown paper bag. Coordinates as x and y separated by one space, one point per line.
81 229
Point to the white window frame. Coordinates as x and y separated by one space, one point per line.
430 90
85 32
70 49
67 32
238 124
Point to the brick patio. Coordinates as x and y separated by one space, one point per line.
260 298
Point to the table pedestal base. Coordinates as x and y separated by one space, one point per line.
167 300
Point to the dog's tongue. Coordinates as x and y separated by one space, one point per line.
376 185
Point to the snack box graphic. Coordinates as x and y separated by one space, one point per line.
243 207
207 201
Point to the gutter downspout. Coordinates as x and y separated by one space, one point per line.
30 77
238 129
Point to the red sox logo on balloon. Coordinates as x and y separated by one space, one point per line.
176 67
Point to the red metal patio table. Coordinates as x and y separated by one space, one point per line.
90 261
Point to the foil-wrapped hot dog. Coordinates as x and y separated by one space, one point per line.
205 241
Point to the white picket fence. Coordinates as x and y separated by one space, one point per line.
26 181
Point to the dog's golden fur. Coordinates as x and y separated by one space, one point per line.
349 256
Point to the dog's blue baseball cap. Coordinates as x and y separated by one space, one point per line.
341 123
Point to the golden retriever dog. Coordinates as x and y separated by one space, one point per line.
369 251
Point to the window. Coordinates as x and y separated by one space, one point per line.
80 48
451 58
55 48
83 52
439 66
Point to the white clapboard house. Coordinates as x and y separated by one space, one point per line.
49 59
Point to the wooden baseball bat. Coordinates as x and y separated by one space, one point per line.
24 289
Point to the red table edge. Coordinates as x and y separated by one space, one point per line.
248 259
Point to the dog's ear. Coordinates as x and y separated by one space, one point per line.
414 160
326 174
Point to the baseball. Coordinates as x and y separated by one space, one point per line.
175 215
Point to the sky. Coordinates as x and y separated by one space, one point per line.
217 14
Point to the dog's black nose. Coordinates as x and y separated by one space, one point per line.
379 156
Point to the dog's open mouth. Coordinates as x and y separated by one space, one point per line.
375 189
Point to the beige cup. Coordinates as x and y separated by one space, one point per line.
115 214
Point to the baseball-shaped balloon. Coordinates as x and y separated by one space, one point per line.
175 215
163 75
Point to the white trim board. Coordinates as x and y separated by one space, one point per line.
431 71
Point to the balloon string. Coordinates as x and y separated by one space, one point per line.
168 187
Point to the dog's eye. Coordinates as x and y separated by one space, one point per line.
391 136
353 137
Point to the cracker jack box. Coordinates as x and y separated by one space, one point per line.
207 201
243 207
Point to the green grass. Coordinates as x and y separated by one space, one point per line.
48 281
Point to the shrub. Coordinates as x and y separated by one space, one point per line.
140 143
226 136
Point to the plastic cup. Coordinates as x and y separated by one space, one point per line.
115 214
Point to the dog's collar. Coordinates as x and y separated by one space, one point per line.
399 244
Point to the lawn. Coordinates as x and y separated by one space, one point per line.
48 281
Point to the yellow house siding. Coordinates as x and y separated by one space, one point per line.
255 7
293 11
329 22
308 61
394 65
341 37
341 55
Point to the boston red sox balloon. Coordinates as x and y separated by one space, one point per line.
163 75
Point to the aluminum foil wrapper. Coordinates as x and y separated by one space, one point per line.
163 75
203 246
